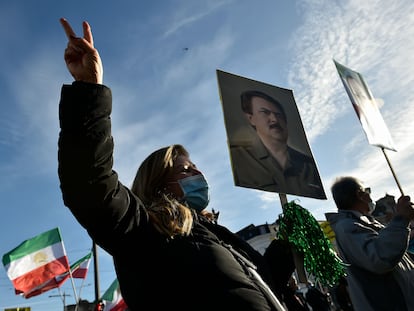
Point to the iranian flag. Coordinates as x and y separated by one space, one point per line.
112 298
79 270
55 282
36 261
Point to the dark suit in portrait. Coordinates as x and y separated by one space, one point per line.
254 167
267 143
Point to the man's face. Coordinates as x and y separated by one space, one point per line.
268 120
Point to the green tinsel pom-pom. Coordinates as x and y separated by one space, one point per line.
302 230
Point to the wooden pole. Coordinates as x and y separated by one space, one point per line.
392 170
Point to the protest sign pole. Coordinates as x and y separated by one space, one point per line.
392 170
297 258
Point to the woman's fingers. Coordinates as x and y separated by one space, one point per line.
87 33
68 29
78 44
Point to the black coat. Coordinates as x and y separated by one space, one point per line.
198 272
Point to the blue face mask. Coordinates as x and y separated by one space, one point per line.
195 189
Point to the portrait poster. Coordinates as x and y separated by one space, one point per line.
268 146
365 107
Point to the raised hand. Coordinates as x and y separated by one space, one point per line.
405 207
81 57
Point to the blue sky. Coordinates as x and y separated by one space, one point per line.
164 94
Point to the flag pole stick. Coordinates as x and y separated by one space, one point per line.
392 170
80 288
82 284
283 199
74 289
96 275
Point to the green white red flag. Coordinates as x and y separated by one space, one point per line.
55 282
36 261
112 298
79 270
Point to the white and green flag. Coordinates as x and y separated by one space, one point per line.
112 298
36 261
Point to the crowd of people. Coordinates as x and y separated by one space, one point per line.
169 251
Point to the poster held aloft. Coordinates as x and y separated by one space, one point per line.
365 107
367 112
267 143
268 147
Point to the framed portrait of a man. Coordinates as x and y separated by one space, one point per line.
267 143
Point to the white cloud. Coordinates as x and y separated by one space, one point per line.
373 40
184 17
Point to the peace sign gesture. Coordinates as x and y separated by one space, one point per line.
81 57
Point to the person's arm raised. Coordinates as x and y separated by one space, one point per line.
81 57
405 208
